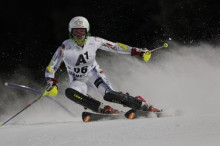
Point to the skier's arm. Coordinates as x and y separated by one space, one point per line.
52 84
55 63
124 49
113 47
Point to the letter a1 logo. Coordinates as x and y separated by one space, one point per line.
81 59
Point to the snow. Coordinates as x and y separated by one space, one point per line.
183 80
170 131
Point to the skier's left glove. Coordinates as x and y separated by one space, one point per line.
52 87
141 52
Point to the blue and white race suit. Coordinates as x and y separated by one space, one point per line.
84 72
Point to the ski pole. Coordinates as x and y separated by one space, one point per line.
165 45
42 95
26 88
23 87
147 55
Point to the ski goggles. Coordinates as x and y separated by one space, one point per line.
78 32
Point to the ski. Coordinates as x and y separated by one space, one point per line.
135 114
90 116
131 114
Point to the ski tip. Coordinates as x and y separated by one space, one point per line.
6 84
131 115
86 119
1 124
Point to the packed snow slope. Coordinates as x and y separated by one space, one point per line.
181 131
183 80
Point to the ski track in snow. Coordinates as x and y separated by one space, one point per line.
184 80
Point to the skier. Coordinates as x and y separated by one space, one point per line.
78 53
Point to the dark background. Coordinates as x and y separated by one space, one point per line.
32 31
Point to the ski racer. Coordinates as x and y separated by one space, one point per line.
78 54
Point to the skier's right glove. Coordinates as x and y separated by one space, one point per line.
143 53
52 87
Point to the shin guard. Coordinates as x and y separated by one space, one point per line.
126 100
82 99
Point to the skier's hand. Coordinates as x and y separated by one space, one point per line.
141 52
52 87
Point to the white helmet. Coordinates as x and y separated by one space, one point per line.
79 22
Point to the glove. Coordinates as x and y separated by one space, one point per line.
143 53
52 87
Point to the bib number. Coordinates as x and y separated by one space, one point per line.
82 70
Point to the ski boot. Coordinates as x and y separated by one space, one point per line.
146 107
106 109
137 103
153 109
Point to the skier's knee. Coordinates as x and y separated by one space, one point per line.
111 96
